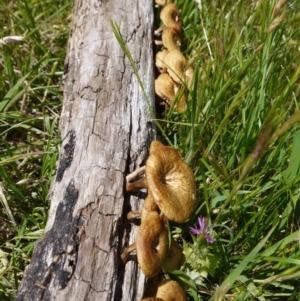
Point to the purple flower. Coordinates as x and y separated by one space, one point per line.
203 230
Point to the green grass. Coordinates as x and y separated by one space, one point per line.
240 134
30 104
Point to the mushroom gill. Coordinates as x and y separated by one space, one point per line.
171 182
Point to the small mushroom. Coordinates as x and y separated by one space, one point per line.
151 244
175 257
170 16
161 2
168 90
170 181
165 87
159 58
178 67
170 290
152 299
170 39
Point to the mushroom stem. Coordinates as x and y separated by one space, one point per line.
138 172
138 184
159 43
159 30
134 214
127 251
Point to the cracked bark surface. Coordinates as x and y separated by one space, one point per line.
106 130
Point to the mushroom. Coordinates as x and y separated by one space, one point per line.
151 244
161 2
152 299
175 257
170 39
170 290
159 58
167 89
178 67
170 181
170 16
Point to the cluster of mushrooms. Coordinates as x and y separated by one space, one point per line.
171 196
175 71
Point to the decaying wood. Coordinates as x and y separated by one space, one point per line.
106 130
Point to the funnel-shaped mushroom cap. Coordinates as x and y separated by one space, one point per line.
152 299
170 290
152 243
171 182
165 87
170 16
175 257
178 67
171 38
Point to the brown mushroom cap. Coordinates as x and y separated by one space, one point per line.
159 58
170 290
171 38
165 87
175 257
170 16
178 67
152 299
152 243
171 182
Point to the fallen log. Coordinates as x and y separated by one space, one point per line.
106 129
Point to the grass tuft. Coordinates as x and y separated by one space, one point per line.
32 51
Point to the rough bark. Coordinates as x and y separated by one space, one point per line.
106 130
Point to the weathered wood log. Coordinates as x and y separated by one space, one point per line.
106 129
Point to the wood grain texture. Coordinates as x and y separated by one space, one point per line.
106 130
